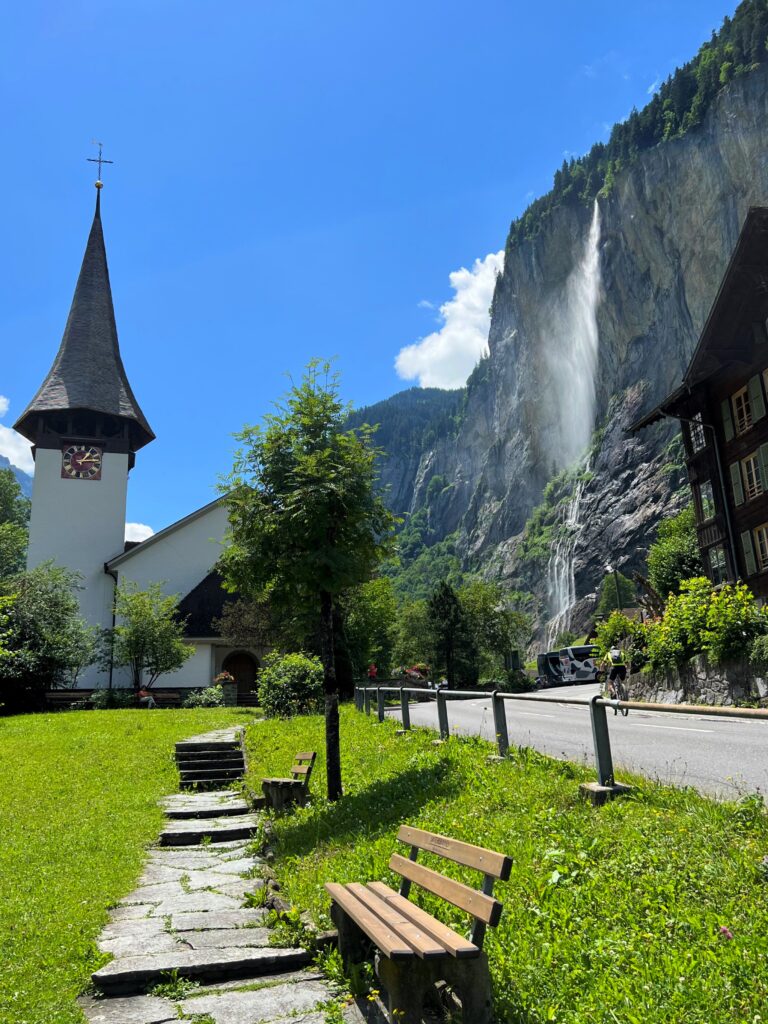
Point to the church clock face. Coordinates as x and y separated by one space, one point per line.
81 462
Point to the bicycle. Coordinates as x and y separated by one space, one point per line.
612 688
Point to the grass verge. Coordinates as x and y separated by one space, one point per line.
78 804
622 915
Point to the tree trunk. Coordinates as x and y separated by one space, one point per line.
332 752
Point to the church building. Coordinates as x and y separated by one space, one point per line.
86 428
722 407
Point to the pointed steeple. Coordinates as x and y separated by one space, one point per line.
88 373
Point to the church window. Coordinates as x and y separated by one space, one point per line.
742 411
718 570
696 432
706 501
753 484
761 546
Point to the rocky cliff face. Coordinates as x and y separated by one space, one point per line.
666 232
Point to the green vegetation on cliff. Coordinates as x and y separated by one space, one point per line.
679 106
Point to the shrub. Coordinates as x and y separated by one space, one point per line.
674 556
290 684
620 631
679 635
758 652
212 697
104 698
734 621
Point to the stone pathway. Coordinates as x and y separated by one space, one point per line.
189 919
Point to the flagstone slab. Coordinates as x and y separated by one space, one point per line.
132 945
134 1010
138 973
132 912
195 902
143 927
264 1004
192 831
216 920
223 938
238 866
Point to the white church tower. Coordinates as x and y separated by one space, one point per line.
86 427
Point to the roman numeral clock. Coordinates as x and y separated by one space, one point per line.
81 462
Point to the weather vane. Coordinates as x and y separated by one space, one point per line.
98 160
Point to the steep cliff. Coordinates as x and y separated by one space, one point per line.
593 321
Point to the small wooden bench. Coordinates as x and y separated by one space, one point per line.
63 700
415 950
283 793
166 698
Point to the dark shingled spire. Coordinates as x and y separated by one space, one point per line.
88 373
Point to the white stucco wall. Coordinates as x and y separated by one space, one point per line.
80 524
179 558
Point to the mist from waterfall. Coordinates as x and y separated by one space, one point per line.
573 368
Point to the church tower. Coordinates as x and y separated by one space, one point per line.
86 426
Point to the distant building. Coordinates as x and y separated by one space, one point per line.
87 427
722 406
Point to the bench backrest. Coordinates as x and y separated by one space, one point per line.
480 905
303 765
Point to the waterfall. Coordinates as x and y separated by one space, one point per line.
572 362
561 585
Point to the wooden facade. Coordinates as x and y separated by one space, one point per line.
722 405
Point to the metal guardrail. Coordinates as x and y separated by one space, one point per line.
597 709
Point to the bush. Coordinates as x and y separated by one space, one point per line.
212 697
627 634
679 635
734 621
290 684
104 698
674 556
758 652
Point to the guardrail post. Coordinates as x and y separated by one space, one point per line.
367 700
602 742
442 715
358 698
500 723
405 711
380 702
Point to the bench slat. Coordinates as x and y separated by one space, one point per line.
456 944
286 782
306 756
496 864
425 946
301 769
388 941
484 908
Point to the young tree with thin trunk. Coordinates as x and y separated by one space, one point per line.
149 636
305 520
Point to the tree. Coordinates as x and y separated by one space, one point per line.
148 638
413 635
306 523
674 556
606 602
14 516
47 642
453 645
370 620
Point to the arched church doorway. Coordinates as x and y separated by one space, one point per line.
243 667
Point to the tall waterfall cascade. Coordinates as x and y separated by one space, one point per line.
573 369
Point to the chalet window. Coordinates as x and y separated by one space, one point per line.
749 553
696 432
718 570
742 411
706 501
761 546
753 483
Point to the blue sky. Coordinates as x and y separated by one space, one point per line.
291 180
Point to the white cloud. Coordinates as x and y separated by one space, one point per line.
653 86
445 358
425 304
13 446
137 531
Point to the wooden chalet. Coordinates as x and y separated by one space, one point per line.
722 406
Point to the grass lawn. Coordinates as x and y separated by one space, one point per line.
612 916
78 804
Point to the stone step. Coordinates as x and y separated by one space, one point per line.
214 764
197 807
205 755
221 745
211 773
191 832
134 974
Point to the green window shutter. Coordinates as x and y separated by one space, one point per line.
727 418
756 402
749 553
736 484
762 458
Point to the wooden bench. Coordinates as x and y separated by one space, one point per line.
63 700
283 793
415 950
166 698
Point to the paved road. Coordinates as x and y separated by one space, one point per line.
725 757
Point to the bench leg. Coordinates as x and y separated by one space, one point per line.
472 981
411 984
354 944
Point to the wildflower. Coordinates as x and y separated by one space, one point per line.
725 933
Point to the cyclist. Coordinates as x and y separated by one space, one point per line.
615 663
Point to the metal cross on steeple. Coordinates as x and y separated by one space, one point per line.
98 160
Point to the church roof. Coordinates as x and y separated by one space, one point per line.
88 372
203 605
